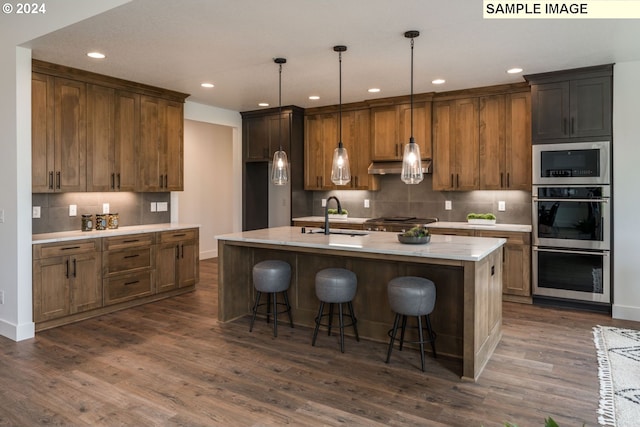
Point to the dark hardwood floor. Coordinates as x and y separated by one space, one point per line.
170 363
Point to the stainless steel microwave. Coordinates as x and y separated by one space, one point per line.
573 163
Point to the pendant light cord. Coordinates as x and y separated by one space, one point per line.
340 101
280 107
411 139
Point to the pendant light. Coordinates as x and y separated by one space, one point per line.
280 166
340 171
411 161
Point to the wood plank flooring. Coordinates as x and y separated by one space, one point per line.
171 363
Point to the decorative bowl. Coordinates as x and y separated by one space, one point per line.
414 240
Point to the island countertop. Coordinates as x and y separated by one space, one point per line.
460 248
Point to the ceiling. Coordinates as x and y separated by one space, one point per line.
179 44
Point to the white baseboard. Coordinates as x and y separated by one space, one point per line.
21 332
625 312
209 254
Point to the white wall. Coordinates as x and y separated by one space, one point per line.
207 198
15 163
626 187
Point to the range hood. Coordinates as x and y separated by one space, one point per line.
394 167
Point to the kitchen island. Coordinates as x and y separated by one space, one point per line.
467 272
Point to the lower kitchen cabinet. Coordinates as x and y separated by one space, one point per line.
66 279
177 259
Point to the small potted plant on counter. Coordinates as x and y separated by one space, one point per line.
481 219
333 213
417 235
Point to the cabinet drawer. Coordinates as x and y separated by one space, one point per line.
178 235
127 260
48 250
128 241
512 237
124 288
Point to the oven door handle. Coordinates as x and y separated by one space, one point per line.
537 199
570 251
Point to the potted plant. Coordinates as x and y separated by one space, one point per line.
333 213
481 219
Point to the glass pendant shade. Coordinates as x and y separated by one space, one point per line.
411 164
340 171
280 168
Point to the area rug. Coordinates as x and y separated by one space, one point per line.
619 372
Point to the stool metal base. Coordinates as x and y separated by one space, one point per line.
321 314
272 296
421 339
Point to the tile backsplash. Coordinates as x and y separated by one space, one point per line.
132 209
396 198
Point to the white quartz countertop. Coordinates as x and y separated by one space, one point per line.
459 248
63 236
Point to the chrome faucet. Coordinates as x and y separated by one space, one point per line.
326 213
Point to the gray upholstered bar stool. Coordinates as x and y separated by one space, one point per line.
272 277
335 286
412 296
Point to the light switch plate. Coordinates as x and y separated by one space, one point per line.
73 210
502 206
35 213
324 202
366 203
163 206
154 207
447 205
105 208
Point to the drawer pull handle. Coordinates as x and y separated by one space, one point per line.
132 256
70 247
180 235
132 283
131 241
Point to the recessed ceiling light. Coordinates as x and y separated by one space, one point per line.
207 85
96 55
314 97
514 70
373 90
438 81
263 104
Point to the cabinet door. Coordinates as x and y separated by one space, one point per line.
51 293
466 144
421 126
591 107
321 137
518 142
492 143
188 270
149 172
516 268
550 110
100 138
42 133
357 125
127 124
256 136
173 152
385 142
85 282
166 267
443 178
70 135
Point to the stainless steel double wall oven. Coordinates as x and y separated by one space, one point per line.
572 221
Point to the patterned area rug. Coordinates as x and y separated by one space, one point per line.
619 371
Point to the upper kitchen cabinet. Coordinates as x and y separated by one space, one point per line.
455 145
161 152
58 129
97 133
391 126
112 135
572 105
505 142
263 135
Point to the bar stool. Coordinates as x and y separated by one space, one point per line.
335 286
272 277
412 296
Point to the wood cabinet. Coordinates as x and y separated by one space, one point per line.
505 142
263 136
112 134
58 143
456 145
572 104
321 139
177 259
66 279
391 129
516 259
161 149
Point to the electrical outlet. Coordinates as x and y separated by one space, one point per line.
447 205
105 208
163 206
366 203
502 206
324 202
35 213
73 210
